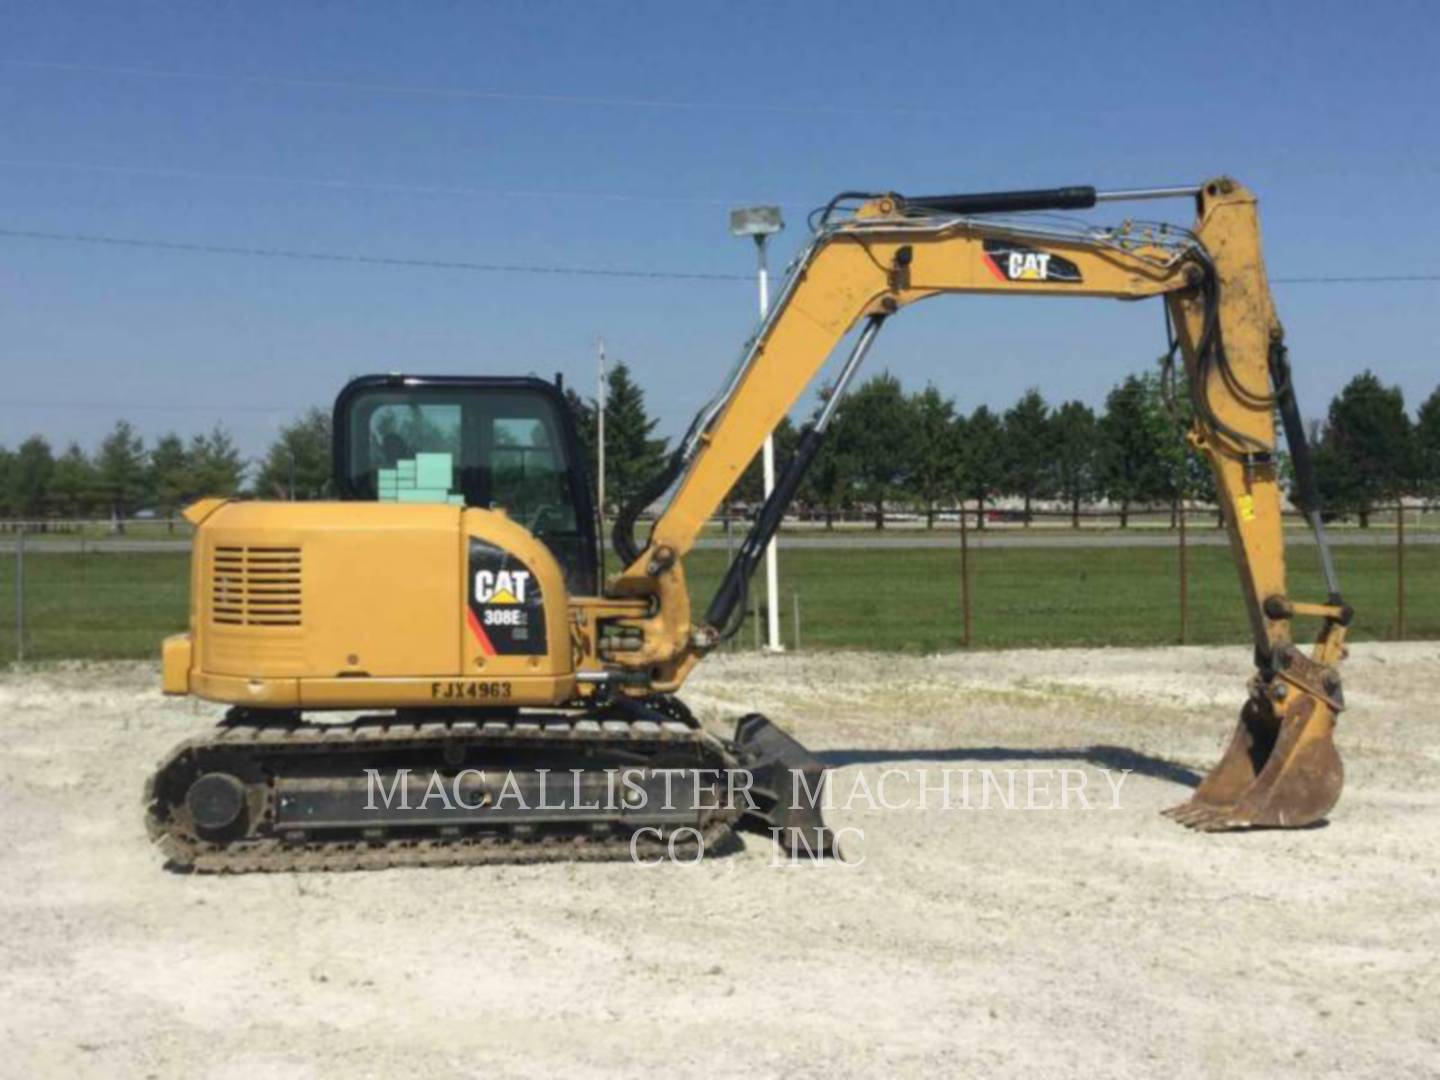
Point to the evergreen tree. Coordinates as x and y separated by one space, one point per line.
121 472
1076 449
216 464
7 475
935 472
827 483
73 488
1367 452
30 477
171 478
297 465
1029 454
582 413
874 441
1135 440
983 458
633 456
1427 447
1183 472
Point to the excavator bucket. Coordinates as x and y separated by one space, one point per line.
1279 771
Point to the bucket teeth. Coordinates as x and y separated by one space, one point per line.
1206 818
1278 772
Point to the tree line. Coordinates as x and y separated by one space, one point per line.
887 448
124 476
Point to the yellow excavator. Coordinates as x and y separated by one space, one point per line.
512 706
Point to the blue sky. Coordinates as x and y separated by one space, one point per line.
618 135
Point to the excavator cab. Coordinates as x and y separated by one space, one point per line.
495 443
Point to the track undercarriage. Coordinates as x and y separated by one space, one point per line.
271 791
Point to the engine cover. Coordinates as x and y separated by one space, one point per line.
356 604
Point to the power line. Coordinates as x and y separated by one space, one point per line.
1354 279
369 260
379 186
465 93
110 406
521 268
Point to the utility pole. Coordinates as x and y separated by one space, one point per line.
762 222
600 448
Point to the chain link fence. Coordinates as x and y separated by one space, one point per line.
88 590
98 590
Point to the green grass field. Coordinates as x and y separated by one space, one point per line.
121 605
72 533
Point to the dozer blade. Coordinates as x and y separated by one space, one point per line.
787 789
1278 772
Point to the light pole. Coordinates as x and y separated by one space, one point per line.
761 223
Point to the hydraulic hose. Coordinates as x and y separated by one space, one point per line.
623 535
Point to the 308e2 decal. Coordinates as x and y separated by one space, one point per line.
505 609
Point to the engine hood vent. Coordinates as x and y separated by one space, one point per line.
255 586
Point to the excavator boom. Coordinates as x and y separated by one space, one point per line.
1281 768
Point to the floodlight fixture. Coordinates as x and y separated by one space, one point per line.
756 221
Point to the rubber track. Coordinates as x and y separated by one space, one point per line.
270 854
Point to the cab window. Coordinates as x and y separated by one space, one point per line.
505 448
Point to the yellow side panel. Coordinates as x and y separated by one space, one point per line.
329 589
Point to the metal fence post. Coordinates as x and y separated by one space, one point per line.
795 603
1184 582
1400 570
20 595
965 577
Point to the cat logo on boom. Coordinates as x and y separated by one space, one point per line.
1027 266
1016 262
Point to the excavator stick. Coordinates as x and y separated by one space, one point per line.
1281 768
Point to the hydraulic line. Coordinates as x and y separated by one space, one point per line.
1307 489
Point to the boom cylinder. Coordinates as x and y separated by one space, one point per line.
1081 197
735 583
1006 202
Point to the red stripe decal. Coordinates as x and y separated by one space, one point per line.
994 269
486 646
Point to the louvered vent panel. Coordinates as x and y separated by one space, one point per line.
255 586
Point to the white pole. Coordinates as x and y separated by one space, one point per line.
600 449
772 565
20 595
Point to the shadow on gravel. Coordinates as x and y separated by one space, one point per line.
1106 757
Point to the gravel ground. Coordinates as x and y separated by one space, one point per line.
958 941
